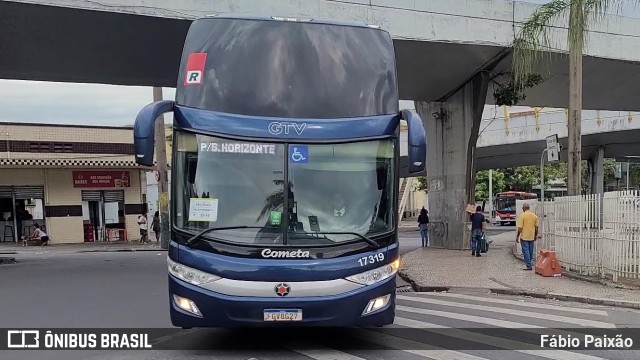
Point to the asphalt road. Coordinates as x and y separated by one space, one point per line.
129 290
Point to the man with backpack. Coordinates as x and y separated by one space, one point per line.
478 228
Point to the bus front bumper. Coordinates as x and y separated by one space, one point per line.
223 311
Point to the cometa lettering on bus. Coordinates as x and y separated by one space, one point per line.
238 148
285 254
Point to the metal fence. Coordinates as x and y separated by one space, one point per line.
593 234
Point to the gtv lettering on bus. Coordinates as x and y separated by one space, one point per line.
238 148
268 253
278 128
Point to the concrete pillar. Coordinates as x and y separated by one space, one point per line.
596 170
452 128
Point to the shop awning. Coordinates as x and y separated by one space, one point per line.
75 163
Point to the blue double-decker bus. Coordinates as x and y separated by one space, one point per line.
284 206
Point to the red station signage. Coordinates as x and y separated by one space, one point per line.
101 179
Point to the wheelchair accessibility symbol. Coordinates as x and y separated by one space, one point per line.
298 154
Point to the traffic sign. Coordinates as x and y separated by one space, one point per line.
553 148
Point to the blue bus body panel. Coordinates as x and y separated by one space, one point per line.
356 128
225 311
344 310
249 269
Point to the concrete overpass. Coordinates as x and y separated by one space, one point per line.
439 44
518 138
449 56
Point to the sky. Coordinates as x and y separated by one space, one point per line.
94 104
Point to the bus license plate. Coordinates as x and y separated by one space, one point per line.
283 315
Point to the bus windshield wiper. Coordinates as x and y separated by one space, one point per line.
203 232
360 237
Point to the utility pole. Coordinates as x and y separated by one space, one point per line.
575 101
542 183
162 174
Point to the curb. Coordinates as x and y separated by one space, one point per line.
89 251
119 250
420 288
571 275
7 260
565 297
534 294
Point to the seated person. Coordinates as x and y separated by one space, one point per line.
38 234
339 207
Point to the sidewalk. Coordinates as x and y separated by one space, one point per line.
8 249
498 270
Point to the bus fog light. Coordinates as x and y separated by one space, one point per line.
377 304
186 305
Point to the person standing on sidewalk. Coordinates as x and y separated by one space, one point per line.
144 227
155 226
528 224
478 228
423 225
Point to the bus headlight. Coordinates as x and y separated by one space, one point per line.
190 275
376 275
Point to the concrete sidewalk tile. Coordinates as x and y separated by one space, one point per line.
572 275
432 269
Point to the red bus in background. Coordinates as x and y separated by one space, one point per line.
504 205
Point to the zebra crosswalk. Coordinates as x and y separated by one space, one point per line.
439 326
447 326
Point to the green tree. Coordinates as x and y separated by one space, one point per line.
422 183
609 167
482 183
634 177
522 178
533 39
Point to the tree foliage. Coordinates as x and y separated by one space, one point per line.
422 184
482 184
525 178
513 92
534 40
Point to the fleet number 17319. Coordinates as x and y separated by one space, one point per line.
371 259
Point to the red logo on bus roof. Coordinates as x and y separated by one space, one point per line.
195 68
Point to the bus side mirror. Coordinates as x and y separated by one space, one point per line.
417 141
145 128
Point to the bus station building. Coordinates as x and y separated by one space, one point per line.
79 183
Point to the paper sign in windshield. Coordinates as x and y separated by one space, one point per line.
235 148
203 210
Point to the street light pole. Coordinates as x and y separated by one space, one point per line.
627 175
491 194
162 176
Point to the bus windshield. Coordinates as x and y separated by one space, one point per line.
226 183
506 204
288 69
